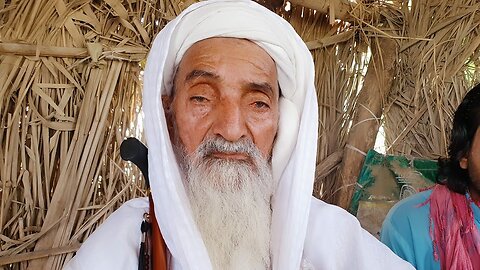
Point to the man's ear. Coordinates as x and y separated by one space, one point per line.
463 163
167 107
166 102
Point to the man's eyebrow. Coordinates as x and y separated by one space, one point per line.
198 73
262 87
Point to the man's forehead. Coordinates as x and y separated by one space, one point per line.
239 41
199 47
242 43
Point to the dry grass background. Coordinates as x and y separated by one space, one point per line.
434 70
70 91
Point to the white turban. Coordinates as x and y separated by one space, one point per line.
294 152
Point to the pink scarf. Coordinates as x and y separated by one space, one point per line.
456 240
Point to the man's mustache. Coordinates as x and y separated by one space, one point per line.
219 145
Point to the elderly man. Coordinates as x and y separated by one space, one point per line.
231 124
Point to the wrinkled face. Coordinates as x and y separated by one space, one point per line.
472 163
225 87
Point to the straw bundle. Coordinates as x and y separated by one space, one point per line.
435 69
433 57
337 80
341 53
70 90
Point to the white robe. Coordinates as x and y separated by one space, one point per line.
335 241
302 231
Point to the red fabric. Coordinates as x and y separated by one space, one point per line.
456 240
159 248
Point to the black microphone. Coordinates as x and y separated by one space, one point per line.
135 151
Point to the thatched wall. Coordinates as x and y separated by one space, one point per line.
434 70
422 57
70 91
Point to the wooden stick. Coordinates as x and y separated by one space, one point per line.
363 133
41 50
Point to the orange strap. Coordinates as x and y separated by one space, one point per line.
159 249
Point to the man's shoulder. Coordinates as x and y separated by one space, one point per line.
128 216
134 205
327 219
320 210
119 234
406 229
334 234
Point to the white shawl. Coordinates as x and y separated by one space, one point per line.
294 152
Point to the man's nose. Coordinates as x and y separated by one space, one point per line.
230 122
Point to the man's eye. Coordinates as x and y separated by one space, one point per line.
198 99
261 105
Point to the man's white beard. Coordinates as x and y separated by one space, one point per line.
230 200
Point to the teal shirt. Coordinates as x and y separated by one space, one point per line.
406 231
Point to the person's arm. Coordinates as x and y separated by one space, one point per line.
398 237
406 231
115 243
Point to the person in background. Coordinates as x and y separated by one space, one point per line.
231 126
439 228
